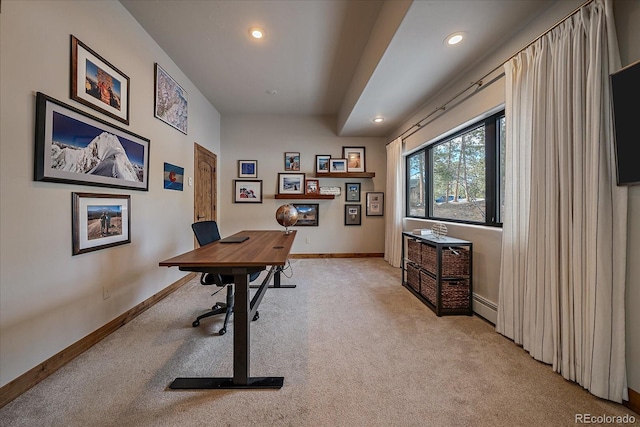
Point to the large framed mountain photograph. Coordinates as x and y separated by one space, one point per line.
74 147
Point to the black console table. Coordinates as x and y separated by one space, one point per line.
439 272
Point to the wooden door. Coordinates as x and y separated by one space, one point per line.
205 192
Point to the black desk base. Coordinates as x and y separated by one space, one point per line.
225 383
276 282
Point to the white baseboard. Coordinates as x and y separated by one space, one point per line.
485 308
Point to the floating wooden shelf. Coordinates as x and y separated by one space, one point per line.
346 175
305 196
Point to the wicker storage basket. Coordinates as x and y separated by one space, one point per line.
413 251
455 263
455 293
413 277
428 287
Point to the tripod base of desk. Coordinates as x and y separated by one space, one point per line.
225 383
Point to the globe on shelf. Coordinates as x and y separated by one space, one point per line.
287 216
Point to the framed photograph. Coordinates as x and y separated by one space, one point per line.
173 177
98 84
352 214
322 163
291 183
375 203
308 214
292 161
170 100
312 186
75 148
247 191
355 158
353 191
247 168
99 221
337 165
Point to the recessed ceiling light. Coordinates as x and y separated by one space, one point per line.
377 119
454 38
256 33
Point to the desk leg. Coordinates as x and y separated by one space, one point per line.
241 350
276 281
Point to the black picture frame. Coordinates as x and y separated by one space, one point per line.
308 214
61 127
99 221
247 169
355 157
352 214
247 191
98 84
352 191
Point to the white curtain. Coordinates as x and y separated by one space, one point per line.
394 204
562 281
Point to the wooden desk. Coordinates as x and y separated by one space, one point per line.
264 248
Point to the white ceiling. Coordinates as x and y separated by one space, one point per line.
354 59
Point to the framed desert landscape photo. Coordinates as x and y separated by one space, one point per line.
171 101
355 158
74 147
99 221
307 214
247 191
98 84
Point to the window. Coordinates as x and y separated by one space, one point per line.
461 177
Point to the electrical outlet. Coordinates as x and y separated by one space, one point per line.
106 293
307 240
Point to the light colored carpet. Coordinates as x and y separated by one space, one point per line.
354 346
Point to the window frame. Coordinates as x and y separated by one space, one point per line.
492 173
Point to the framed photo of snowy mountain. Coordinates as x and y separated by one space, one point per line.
170 101
98 84
74 147
99 221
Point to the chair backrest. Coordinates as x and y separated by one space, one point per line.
206 232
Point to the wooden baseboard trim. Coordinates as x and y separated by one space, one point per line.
24 382
341 255
634 401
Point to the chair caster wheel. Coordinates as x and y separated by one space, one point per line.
196 323
222 331
256 317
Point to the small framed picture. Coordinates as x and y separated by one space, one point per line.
322 163
292 161
247 168
355 158
312 186
291 183
337 165
308 214
352 214
99 221
247 191
375 203
171 100
173 177
353 191
98 84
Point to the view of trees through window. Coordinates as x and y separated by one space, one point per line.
460 178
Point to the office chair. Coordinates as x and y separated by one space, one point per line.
207 232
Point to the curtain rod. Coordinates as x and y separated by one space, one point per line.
418 125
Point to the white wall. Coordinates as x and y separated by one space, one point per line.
487 241
266 138
50 299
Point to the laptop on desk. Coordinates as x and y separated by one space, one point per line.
234 239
